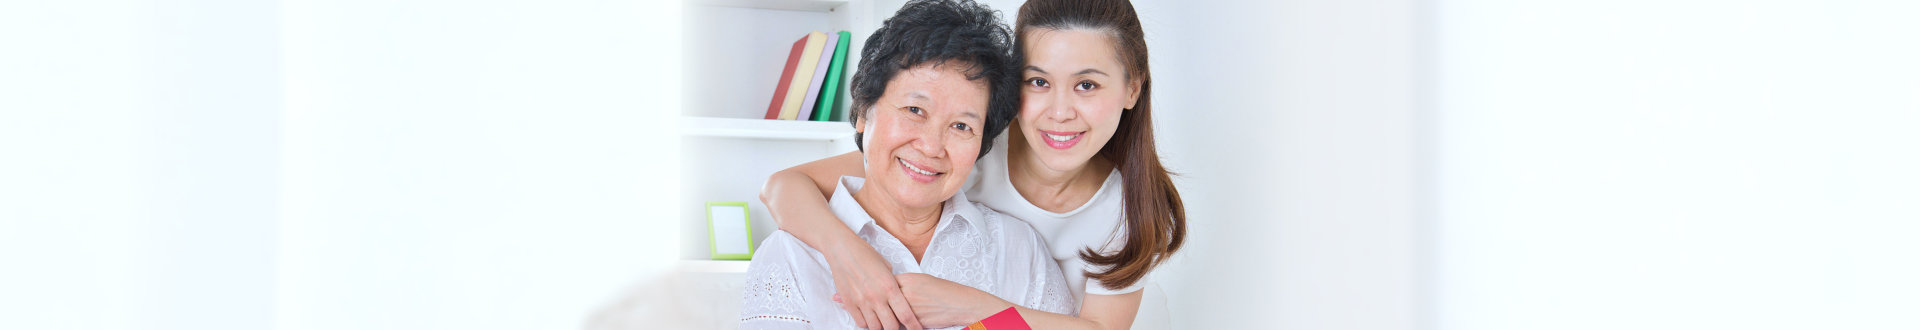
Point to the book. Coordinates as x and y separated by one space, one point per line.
797 90
831 91
786 78
819 76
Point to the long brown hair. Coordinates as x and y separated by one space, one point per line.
1156 219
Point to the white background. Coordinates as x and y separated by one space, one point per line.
1376 164
1676 165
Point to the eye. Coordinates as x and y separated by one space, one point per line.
1037 82
916 110
1085 85
962 127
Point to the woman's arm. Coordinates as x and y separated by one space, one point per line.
945 303
1099 311
797 199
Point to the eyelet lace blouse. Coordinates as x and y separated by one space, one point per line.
789 285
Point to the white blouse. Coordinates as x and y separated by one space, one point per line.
789 285
1100 224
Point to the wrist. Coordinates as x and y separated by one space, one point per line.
845 250
995 306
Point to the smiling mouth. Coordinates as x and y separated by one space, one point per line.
923 175
1061 140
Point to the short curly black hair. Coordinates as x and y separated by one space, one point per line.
941 32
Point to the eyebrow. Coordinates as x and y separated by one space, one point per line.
1082 72
922 96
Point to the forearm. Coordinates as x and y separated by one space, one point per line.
797 199
800 209
989 305
1038 319
1098 312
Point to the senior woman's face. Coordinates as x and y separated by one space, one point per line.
923 134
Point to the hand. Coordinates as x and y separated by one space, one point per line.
943 303
867 290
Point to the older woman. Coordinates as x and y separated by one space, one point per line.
934 87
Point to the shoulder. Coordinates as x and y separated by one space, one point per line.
781 250
772 252
778 291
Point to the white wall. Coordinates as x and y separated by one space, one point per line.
474 164
332 164
1293 123
1677 165
138 146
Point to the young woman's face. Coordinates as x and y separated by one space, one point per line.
1075 89
923 134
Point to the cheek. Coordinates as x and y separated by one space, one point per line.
963 156
963 159
1104 112
894 129
1031 110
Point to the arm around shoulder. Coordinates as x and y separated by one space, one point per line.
797 198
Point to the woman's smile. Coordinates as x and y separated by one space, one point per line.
917 172
1061 140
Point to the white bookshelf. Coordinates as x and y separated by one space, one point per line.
734 51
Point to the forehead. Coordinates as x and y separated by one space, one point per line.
1071 49
939 87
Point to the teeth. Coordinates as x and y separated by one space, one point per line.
915 169
1060 138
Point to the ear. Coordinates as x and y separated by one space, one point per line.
1133 92
863 125
860 124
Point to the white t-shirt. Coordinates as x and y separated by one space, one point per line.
1100 224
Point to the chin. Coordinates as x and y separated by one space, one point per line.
1064 161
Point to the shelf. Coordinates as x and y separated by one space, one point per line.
764 128
714 266
800 5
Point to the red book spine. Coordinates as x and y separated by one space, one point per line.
786 76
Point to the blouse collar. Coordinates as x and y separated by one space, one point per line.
850 212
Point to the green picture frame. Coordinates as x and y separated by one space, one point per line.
729 238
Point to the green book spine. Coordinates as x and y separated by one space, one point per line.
831 91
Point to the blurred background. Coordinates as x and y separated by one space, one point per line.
1368 164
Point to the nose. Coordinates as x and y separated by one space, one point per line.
1061 109
932 141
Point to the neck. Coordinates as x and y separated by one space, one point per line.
913 226
1051 189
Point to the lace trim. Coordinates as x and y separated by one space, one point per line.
772 292
1053 294
775 318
